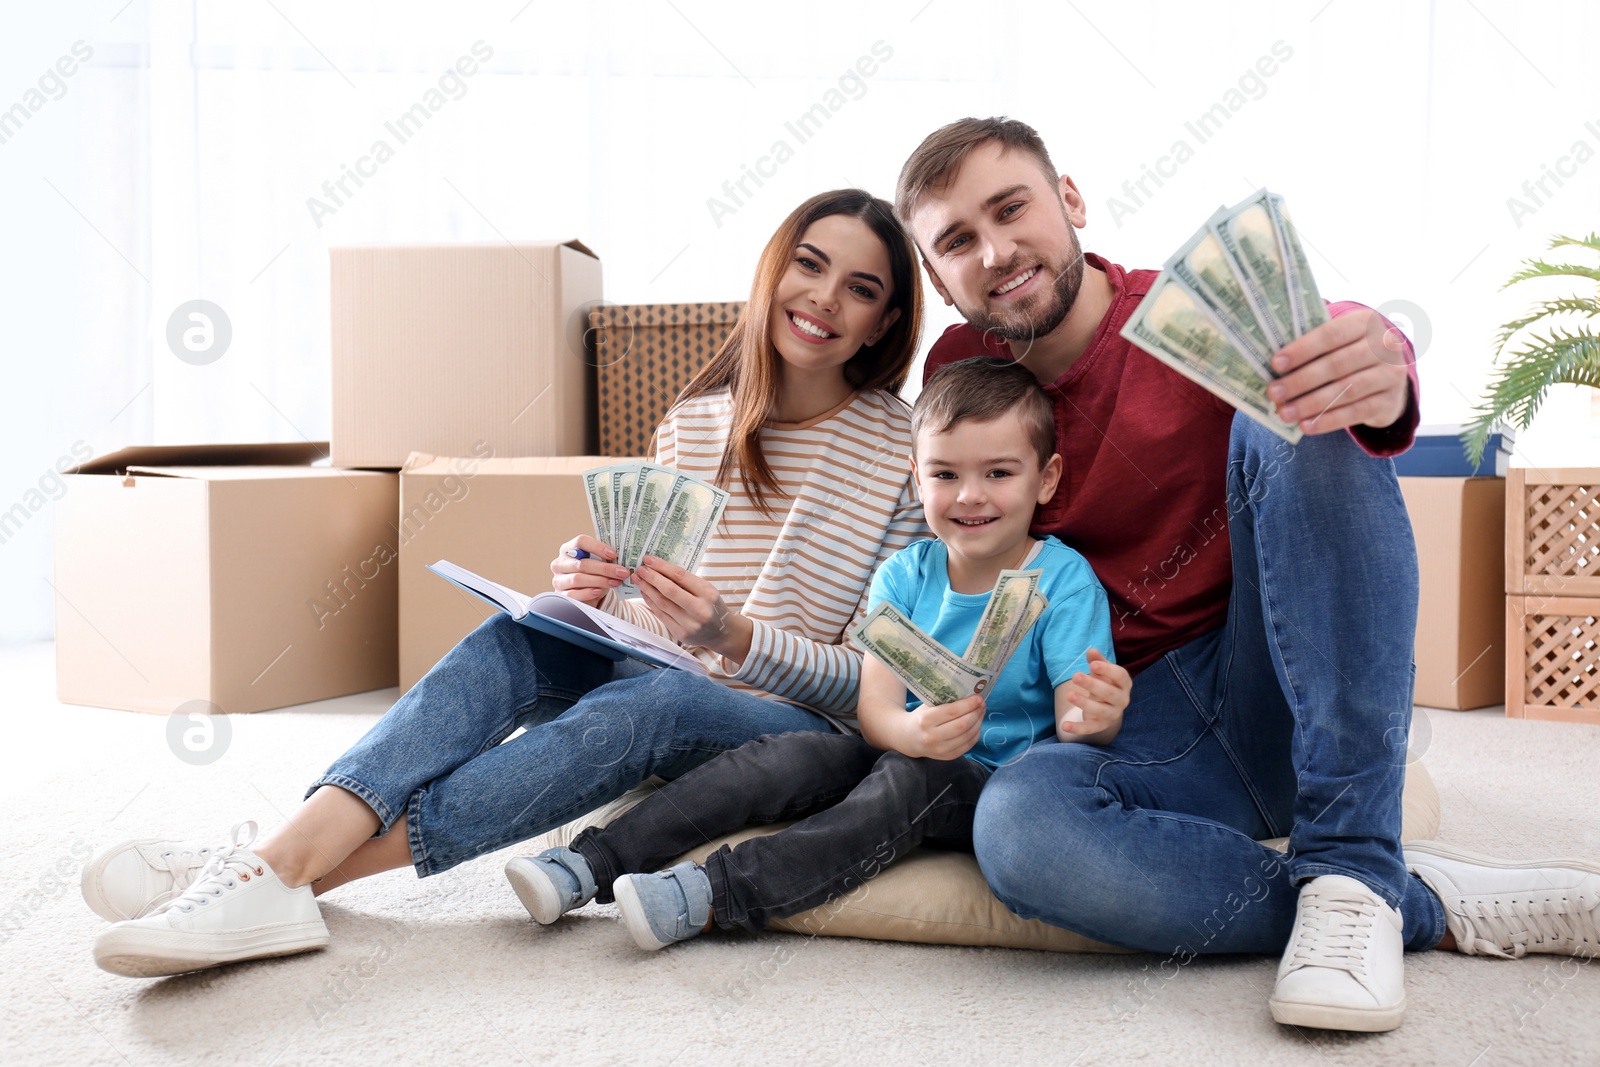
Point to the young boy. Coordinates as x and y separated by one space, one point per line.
984 458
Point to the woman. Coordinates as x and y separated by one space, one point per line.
797 417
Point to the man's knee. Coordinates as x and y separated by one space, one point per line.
1032 812
1332 464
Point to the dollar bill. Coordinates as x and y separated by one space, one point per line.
1249 237
653 488
1002 618
1307 298
1206 269
687 522
597 488
1036 605
932 672
1175 326
623 480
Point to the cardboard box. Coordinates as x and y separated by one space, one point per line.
505 518
233 574
1459 525
439 347
646 354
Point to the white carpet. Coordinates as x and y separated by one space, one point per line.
450 970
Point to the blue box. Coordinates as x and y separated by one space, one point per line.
1437 453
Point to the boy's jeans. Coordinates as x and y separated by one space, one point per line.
861 809
1291 719
594 730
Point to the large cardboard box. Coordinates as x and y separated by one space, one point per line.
233 574
505 518
439 347
1459 525
646 354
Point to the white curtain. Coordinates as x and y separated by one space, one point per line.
206 151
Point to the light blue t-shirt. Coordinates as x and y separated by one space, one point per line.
1021 702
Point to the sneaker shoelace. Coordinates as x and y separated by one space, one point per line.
183 864
229 865
1334 931
1511 928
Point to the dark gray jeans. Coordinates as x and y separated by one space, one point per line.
860 809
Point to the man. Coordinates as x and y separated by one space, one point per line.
1265 597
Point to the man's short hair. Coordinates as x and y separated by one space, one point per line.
982 389
940 155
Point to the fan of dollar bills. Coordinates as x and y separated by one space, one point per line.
1235 293
934 673
641 510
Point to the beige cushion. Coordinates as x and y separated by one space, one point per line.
940 898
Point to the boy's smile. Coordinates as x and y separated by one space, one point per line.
980 483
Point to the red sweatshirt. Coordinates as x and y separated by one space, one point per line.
1143 492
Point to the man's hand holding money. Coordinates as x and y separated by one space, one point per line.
1350 371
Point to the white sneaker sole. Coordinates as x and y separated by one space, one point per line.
1478 859
1330 1017
537 893
144 953
633 916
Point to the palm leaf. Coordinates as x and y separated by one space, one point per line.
1538 268
1567 305
1562 357
1591 241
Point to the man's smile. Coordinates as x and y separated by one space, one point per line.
1016 281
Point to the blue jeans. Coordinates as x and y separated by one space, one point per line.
594 730
1289 720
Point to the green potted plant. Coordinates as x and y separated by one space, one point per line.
1562 355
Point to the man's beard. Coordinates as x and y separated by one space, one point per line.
1040 314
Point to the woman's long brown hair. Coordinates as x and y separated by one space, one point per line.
747 363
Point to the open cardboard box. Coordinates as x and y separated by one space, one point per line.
239 575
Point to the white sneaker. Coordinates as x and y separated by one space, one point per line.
1509 908
236 909
1344 967
130 880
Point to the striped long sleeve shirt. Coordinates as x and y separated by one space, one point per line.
846 503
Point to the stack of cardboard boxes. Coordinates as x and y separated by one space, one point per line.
248 577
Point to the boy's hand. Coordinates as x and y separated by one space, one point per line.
1099 698
943 731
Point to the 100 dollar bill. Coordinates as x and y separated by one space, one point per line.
1172 324
932 672
1002 620
642 509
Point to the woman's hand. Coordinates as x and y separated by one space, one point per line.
1098 699
692 609
586 580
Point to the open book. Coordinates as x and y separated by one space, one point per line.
563 617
